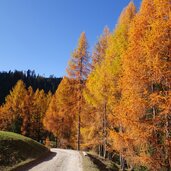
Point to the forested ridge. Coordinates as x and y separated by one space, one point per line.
9 79
115 101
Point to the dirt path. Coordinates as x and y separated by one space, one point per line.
62 160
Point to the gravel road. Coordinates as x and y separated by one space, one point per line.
62 160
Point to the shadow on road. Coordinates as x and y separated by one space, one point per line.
43 158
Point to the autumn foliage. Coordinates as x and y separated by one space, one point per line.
23 111
120 104
60 117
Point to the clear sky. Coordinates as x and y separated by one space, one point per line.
41 34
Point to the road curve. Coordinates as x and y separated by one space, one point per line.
62 160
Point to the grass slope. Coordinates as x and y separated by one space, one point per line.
87 164
92 162
17 150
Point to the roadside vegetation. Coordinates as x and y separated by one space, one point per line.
94 162
88 164
17 150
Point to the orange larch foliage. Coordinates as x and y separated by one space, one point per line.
102 90
78 70
60 118
41 102
27 111
12 109
144 82
100 48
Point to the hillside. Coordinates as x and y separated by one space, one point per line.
16 150
9 79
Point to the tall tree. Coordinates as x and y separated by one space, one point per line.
41 102
118 44
96 93
27 111
13 106
145 87
157 61
60 118
100 48
98 130
78 69
103 81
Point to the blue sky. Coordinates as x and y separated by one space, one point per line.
41 34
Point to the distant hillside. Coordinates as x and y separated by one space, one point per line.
9 79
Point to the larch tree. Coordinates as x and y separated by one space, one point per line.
145 87
12 109
24 110
40 105
95 93
102 84
5 120
27 111
99 51
118 44
133 83
92 129
78 69
157 50
60 118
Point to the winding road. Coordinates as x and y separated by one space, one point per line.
60 160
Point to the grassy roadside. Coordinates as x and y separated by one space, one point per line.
17 150
88 164
93 162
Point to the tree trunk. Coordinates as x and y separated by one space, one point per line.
99 150
153 108
122 162
104 132
56 141
80 103
167 148
78 133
